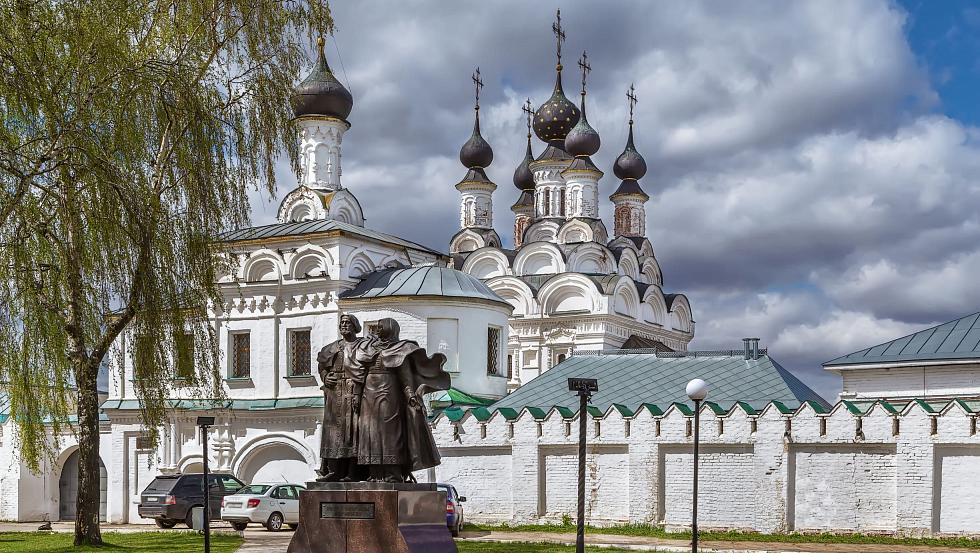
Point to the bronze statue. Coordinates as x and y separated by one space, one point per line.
342 385
393 435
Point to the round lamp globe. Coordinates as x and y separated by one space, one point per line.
697 389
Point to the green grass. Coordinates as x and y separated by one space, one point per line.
172 542
478 547
658 532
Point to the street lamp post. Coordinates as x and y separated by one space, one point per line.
697 390
205 423
585 387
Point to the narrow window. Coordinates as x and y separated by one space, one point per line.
185 356
510 366
299 353
823 426
493 350
241 351
371 329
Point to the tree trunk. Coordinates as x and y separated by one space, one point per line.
87 531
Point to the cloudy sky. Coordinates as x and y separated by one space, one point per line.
812 164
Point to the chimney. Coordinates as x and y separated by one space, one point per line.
755 348
748 347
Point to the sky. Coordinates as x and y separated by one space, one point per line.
812 165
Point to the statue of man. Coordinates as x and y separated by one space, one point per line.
343 382
394 437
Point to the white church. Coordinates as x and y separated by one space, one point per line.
513 323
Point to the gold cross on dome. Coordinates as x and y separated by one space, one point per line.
583 63
631 96
526 108
559 34
478 83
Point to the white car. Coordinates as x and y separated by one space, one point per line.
272 505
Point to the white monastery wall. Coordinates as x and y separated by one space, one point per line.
913 472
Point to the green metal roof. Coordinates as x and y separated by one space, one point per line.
635 379
421 281
314 227
959 339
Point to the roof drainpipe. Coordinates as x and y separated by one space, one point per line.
755 348
748 347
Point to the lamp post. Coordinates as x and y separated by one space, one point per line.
205 423
697 390
585 387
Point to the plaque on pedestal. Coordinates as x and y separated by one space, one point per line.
372 517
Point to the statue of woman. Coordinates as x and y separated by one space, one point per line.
394 437
342 385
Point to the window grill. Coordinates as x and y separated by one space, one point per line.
241 350
493 350
299 351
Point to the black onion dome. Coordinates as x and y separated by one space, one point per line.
630 164
582 140
321 93
523 177
476 152
556 117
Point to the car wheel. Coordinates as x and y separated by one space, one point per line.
239 526
274 524
165 523
293 526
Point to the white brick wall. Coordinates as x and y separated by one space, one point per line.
802 471
958 471
843 488
726 476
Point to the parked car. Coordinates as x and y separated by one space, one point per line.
454 508
269 504
170 498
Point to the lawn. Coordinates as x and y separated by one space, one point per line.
478 547
658 532
172 542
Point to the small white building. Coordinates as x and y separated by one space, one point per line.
938 363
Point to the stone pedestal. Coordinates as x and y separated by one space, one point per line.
371 517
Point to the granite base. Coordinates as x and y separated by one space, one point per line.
371 517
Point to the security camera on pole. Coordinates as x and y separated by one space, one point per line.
697 390
585 388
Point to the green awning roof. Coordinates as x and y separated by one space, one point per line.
959 339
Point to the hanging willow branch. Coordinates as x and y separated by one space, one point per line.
130 135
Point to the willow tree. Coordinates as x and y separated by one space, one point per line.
130 134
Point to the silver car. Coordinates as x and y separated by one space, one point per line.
271 505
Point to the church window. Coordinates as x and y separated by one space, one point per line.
299 352
510 365
240 355
185 356
493 350
371 329
547 203
561 209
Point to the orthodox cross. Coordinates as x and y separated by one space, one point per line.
559 35
478 83
631 96
526 108
583 63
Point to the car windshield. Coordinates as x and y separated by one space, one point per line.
254 489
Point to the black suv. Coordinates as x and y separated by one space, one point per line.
170 498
